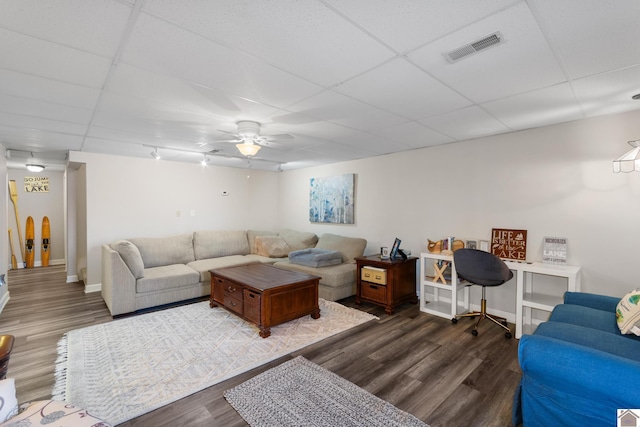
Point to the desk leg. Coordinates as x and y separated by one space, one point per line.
519 298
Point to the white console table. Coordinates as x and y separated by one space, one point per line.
526 296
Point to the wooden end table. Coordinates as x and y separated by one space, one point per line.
265 295
386 282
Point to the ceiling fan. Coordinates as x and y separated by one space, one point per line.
248 139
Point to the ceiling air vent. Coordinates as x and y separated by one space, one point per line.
472 48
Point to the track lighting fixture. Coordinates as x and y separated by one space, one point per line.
155 154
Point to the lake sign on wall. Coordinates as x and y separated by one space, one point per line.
509 244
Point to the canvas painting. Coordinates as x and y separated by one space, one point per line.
331 199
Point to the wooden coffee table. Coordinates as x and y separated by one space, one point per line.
265 295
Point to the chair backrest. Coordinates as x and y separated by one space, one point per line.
481 268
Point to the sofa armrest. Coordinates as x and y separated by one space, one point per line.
118 283
599 302
562 379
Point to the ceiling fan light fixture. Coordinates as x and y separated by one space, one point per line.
248 149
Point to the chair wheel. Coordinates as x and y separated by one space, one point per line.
454 320
474 332
508 335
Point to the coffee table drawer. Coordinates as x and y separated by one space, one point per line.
231 289
251 303
233 304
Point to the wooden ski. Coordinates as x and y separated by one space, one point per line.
29 243
44 251
14 261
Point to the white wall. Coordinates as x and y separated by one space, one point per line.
5 260
38 205
552 181
130 197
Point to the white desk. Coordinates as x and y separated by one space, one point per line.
526 296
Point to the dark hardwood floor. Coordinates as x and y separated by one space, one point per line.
421 363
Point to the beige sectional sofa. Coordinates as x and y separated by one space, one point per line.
146 272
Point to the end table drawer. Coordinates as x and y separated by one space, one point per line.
374 275
374 292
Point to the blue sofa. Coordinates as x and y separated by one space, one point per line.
577 368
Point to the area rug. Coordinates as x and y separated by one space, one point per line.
301 393
125 368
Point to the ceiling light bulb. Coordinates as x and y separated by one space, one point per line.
248 149
155 154
205 160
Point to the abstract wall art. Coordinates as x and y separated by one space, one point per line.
331 199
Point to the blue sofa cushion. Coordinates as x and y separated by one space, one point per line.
610 343
600 302
314 257
585 316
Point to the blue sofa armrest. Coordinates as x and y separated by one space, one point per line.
599 302
569 384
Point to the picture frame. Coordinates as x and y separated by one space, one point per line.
394 248
472 244
484 245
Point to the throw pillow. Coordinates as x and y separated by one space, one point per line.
8 401
131 256
628 313
314 257
271 246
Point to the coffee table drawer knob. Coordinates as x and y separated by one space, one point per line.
231 289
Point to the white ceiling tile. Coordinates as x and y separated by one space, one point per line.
90 25
407 24
18 121
524 62
46 90
373 143
403 89
541 107
609 93
337 108
166 49
592 36
335 151
414 135
46 110
37 139
477 124
36 57
301 36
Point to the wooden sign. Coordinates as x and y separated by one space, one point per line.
509 244
36 184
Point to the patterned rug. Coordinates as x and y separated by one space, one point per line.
301 393
125 368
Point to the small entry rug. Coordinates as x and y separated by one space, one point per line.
125 368
301 393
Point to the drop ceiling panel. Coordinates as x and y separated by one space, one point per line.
26 122
414 135
477 124
90 25
403 89
28 55
297 123
592 36
38 140
47 90
406 24
301 36
541 107
609 93
524 62
339 152
337 108
373 143
35 108
166 49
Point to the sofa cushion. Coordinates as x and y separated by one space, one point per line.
131 256
313 257
202 266
349 247
251 237
271 246
628 313
585 316
167 277
334 276
157 251
593 338
298 239
217 243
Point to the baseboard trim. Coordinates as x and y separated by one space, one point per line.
73 279
92 288
39 263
